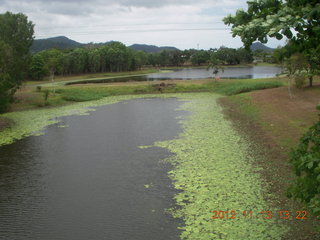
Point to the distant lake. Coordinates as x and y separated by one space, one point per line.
253 72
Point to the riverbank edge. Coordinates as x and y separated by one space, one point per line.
247 119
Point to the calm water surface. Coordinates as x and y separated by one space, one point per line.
87 181
200 73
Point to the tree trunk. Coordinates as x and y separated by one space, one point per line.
52 81
310 81
289 87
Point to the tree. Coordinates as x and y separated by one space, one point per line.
216 64
200 57
228 55
140 58
244 55
38 67
295 66
54 62
16 36
299 21
306 162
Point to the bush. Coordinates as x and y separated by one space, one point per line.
38 88
46 94
299 80
80 95
306 162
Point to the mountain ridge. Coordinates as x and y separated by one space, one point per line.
259 46
62 42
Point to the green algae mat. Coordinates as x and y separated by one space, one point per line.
221 194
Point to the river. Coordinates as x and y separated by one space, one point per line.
86 178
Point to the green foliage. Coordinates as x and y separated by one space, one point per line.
279 18
81 95
200 57
306 162
16 36
38 68
38 88
299 80
232 56
297 67
46 94
236 87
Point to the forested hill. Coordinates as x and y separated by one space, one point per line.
150 48
259 46
62 42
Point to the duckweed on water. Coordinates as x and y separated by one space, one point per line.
212 167
214 172
31 123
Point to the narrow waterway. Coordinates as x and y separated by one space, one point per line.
86 178
252 72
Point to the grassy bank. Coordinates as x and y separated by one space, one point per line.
32 98
93 76
283 118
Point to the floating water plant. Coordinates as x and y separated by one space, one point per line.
221 193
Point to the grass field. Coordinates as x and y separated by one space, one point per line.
29 97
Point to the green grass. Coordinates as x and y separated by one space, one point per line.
244 103
80 95
227 87
242 86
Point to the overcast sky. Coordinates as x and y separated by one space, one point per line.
181 23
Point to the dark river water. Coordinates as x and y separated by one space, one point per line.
87 181
199 73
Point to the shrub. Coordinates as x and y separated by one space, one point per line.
46 94
81 95
306 162
299 80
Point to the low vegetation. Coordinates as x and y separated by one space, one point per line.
306 161
226 87
215 171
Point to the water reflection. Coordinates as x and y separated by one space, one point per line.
200 73
87 181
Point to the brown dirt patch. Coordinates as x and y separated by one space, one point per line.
277 109
287 118
5 123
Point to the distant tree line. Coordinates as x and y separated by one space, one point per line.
116 57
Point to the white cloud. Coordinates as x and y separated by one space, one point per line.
132 21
